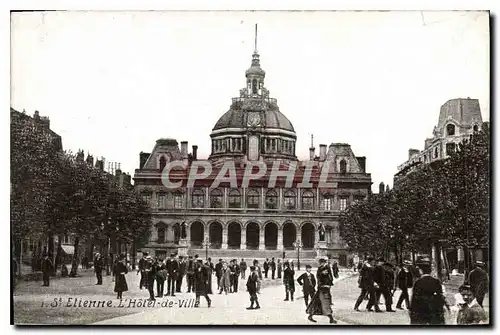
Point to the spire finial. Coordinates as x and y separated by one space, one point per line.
312 141
255 50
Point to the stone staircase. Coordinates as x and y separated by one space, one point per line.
306 256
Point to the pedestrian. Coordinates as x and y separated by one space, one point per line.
292 265
120 270
243 268
47 269
253 279
201 283
190 274
218 272
478 281
427 302
259 273
405 281
210 269
383 281
279 268
272 265
266 267
289 282
322 299
335 269
150 276
308 283
172 268
470 311
225 279
235 270
367 285
142 263
180 274
98 266
161 276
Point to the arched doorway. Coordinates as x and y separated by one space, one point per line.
253 235
196 230
289 235
271 236
215 235
177 232
234 235
307 235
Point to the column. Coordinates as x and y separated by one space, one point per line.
299 204
244 198
316 235
262 241
206 234
224 237
170 233
262 202
188 197
299 234
188 233
243 244
207 197
317 202
226 201
280 239
280 199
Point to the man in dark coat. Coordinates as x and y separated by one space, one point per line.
180 274
405 281
280 268
289 282
308 283
335 269
201 282
210 268
272 265
478 281
46 269
190 274
367 285
119 271
161 276
383 282
235 275
150 276
243 268
98 267
142 263
266 267
427 300
322 299
252 281
172 268
218 273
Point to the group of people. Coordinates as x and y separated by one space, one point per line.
379 278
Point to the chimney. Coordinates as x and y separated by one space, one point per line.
184 149
143 157
381 188
412 152
322 152
311 153
195 152
362 163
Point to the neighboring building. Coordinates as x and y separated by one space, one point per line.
458 119
257 221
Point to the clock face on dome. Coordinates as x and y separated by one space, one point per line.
253 119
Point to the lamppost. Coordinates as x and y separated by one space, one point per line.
206 244
298 245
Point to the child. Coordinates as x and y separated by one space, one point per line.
470 312
252 281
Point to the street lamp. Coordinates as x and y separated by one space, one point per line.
298 245
206 244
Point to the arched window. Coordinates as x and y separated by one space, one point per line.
450 129
161 228
234 199
307 200
163 162
216 198
254 86
253 199
450 148
271 199
343 166
198 198
289 199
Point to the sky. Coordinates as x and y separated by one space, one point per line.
112 83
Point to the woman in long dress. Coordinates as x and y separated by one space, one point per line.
225 279
120 282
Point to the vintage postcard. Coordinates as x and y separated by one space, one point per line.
250 167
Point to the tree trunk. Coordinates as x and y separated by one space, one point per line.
51 252
466 263
58 255
434 257
133 254
74 263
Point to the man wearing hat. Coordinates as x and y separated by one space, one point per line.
252 281
478 281
367 285
150 274
190 274
46 269
172 268
289 282
322 300
405 281
308 283
428 301
218 272
180 274
383 282
201 282
98 266
142 263
470 311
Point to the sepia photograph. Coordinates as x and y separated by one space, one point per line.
239 168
